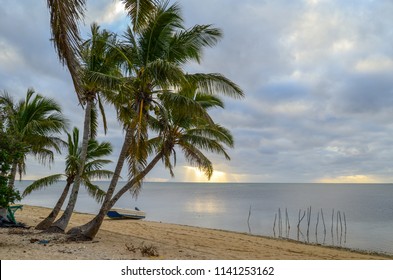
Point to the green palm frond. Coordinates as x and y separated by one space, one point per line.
197 159
94 191
96 149
153 40
182 106
164 73
204 144
187 45
65 16
208 101
214 132
97 164
138 151
42 183
139 11
216 83
98 174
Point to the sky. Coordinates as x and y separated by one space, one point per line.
317 75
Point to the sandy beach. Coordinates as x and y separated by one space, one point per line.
128 239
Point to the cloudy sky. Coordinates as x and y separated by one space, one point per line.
318 78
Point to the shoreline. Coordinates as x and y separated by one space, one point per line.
130 239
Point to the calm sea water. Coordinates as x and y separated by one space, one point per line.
362 217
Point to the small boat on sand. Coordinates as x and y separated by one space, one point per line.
122 213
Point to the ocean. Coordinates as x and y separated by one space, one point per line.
356 216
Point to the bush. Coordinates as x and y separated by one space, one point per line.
8 195
8 151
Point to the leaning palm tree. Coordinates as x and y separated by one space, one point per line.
99 74
32 123
92 170
177 129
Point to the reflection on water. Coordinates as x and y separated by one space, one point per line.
205 206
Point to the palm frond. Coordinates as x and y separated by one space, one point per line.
42 183
98 174
216 83
208 101
187 45
65 16
139 11
197 159
94 191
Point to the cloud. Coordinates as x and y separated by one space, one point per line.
316 73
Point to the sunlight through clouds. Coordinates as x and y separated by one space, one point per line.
111 13
193 174
350 179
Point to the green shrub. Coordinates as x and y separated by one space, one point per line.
8 196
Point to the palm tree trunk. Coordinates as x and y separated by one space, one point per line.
90 229
61 224
11 180
47 222
119 167
115 179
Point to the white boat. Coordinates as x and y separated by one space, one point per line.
123 213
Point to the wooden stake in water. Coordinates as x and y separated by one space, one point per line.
345 226
316 228
287 225
248 220
331 229
324 227
274 225
323 220
308 223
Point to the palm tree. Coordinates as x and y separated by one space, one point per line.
182 130
154 59
92 170
32 124
65 16
98 74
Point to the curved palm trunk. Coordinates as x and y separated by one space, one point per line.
61 224
11 180
47 222
113 183
89 230
119 167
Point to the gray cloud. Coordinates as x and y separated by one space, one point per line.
317 78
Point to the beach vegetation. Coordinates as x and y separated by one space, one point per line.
8 195
8 151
